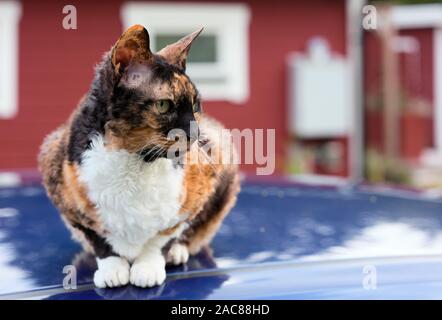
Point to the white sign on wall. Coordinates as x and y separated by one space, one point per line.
319 99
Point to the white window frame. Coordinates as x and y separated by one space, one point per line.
10 12
228 22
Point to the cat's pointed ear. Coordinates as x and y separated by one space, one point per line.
176 53
132 46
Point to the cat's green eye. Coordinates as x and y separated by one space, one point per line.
196 107
162 106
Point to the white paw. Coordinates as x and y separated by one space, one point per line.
148 273
112 272
178 254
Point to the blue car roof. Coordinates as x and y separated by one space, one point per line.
281 241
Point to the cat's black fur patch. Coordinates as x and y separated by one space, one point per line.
93 114
150 155
101 248
185 117
164 71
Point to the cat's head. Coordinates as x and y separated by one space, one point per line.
153 94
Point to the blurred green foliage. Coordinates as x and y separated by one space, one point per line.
379 169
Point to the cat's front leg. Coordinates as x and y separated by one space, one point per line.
177 254
149 268
112 271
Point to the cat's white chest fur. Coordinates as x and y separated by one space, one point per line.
134 199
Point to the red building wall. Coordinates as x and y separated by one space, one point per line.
56 67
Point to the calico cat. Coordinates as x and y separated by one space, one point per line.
109 172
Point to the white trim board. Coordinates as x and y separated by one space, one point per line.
437 86
417 16
354 38
230 24
10 12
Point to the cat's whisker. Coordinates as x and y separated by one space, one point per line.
209 159
153 146
160 150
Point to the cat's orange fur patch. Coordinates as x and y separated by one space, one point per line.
75 195
131 46
209 219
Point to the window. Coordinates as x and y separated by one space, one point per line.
218 60
9 17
